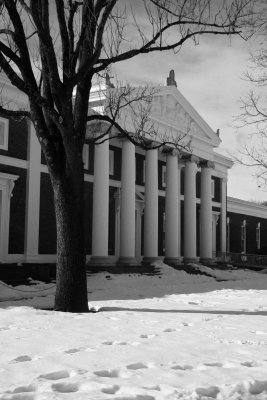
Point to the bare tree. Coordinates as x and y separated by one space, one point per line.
253 115
75 41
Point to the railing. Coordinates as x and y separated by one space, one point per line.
242 259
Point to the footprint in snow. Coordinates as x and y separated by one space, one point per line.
110 390
115 342
250 364
21 359
154 387
109 343
209 392
113 373
73 351
65 387
23 389
147 336
213 364
54 376
138 365
186 367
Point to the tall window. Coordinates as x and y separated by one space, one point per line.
212 188
4 133
163 176
228 235
111 162
144 171
163 229
86 156
258 236
243 237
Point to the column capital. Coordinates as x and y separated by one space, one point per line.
191 158
149 144
170 151
207 164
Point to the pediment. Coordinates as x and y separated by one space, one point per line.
170 108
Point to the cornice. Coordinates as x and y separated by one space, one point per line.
240 206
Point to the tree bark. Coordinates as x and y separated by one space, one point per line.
71 291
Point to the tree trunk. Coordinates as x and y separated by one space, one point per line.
71 290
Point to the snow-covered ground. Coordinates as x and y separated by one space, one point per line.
170 336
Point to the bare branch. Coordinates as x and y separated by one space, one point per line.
19 114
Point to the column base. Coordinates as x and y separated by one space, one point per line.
127 261
150 260
100 260
207 261
172 261
190 260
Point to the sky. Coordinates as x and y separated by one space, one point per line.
211 77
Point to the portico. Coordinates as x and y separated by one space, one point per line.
139 234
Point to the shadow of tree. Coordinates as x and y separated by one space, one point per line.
178 311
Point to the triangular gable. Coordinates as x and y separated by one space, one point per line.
170 108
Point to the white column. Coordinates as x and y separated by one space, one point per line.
31 248
127 208
179 209
190 210
172 210
223 214
100 204
151 207
206 213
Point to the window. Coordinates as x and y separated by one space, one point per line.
212 188
144 171
111 162
163 176
258 235
243 237
163 230
86 156
4 124
228 235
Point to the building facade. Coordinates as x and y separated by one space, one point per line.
139 205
